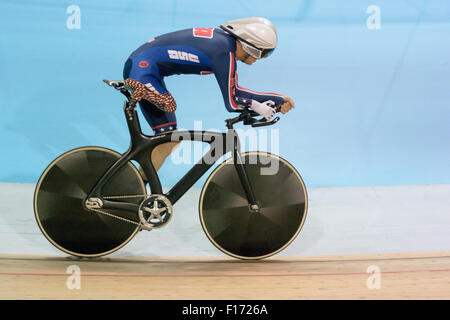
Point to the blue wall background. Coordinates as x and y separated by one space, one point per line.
373 106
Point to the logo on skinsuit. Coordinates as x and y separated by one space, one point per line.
181 55
151 87
143 64
203 32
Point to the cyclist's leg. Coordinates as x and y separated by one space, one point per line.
160 121
161 152
143 79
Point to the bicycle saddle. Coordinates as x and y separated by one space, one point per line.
113 83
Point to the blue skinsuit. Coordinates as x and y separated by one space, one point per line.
190 51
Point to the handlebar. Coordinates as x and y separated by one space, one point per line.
247 116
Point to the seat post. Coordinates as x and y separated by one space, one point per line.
132 119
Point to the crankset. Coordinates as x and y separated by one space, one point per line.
154 212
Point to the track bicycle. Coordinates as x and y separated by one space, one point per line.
91 201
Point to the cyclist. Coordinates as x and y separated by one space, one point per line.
201 51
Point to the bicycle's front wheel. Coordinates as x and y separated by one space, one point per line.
59 202
236 230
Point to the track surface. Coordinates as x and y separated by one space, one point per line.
387 276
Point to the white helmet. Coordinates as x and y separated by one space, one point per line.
257 35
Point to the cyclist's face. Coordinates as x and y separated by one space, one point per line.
243 56
249 60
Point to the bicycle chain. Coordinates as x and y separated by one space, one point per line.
116 216
129 196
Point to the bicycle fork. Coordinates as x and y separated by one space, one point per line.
243 176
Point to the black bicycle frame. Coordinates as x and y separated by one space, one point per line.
141 147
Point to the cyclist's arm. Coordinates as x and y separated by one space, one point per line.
224 69
236 97
244 93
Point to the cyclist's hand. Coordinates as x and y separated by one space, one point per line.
265 108
287 105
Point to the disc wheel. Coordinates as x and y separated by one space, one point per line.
59 202
236 230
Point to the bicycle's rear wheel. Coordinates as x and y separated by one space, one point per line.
233 228
59 202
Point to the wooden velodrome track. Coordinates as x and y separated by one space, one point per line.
387 276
